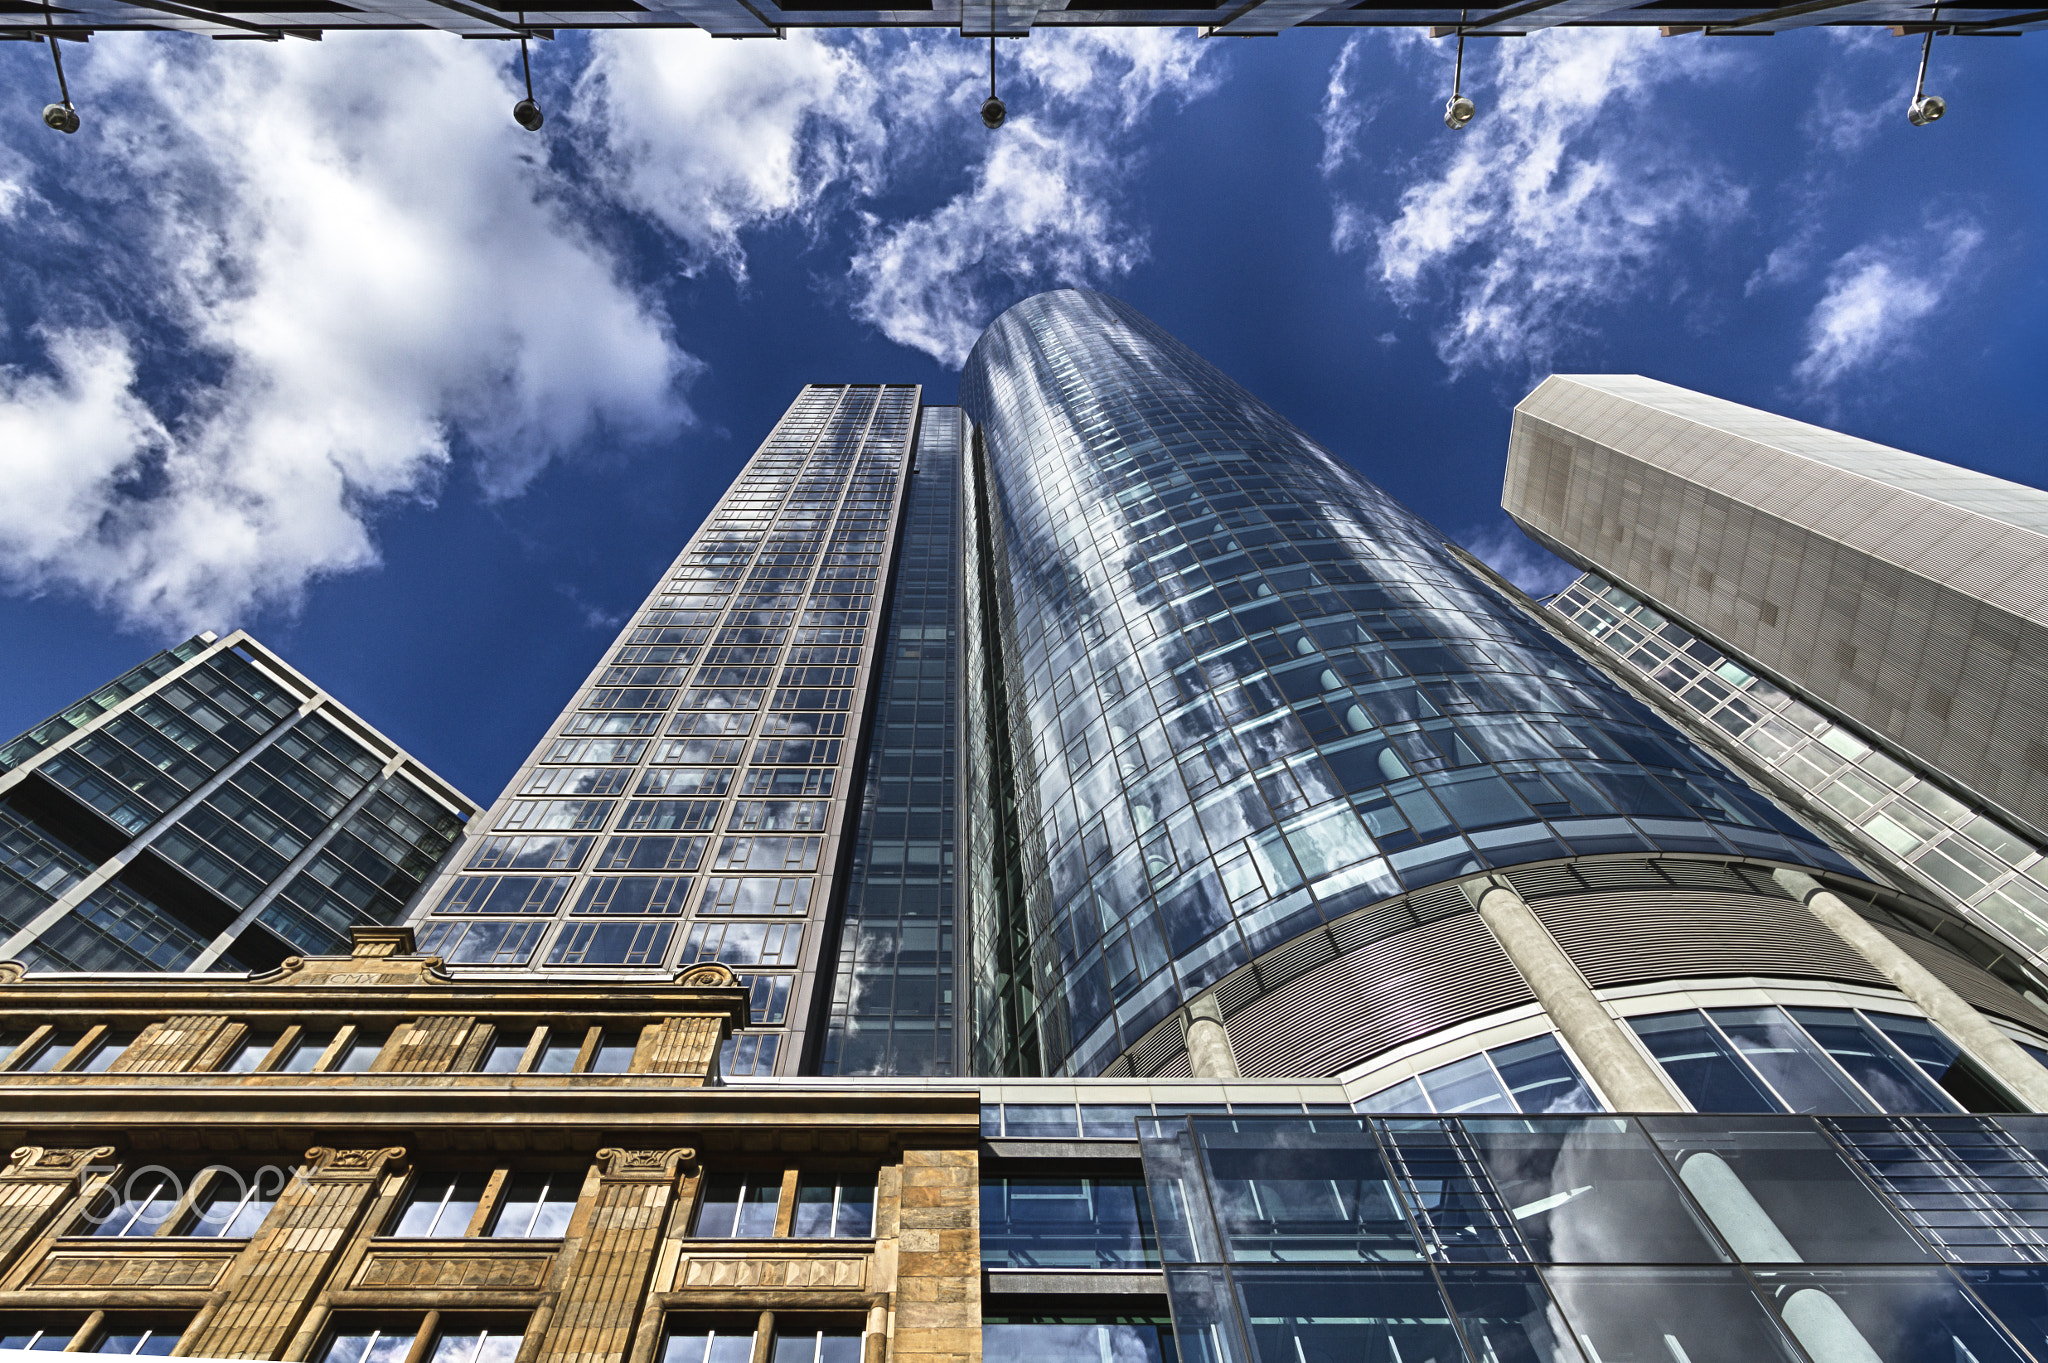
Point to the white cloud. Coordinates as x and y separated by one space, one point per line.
1519 559
1553 201
1878 294
347 266
1343 118
710 137
1043 206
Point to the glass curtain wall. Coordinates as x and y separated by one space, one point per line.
1598 1239
688 804
1245 691
894 989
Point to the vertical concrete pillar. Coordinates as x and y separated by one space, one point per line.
1991 1048
608 1254
1210 1054
267 1293
1630 1081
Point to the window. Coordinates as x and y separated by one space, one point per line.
230 1205
817 1346
614 1054
686 1345
248 1054
303 1052
140 1203
535 1206
452 1340
41 1056
360 1054
440 1206
503 1055
739 1206
149 1335
834 1206
214 1202
104 1053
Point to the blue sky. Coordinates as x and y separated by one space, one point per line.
312 340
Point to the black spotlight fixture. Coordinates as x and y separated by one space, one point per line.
1459 108
992 111
61 117
1925 108
526 113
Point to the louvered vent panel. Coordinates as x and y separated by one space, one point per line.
1633 937
1623 874
1362 1003
1706 875
1977 986
1180 1066
1296 958
1159 1043
1240 987
1439 902
1369 926
1544 882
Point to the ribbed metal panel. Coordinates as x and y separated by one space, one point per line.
1396 990
1977 986
1634 936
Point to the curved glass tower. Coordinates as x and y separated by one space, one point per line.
1239 693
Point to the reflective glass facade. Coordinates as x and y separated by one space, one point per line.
211 809
692 802
893 996
1948 844
1243 692
1682 1238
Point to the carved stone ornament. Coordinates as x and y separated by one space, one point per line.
45 1162
12 971
652 1164
326 1162
288 967
708 975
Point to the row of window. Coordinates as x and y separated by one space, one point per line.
345 1049
217 1201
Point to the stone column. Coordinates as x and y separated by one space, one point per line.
938 1258
287 1262
171 1046
36 1187
1630 1081
1991 1048
608 1255
1210 1054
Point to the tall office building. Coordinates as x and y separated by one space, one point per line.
1374 977
1861 624
1106 725
211 809
694 801
1901 593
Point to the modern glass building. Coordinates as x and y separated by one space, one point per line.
1106 725
1264 722
211 809
696 799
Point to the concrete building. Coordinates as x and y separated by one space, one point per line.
1183 910
210 809
1907 596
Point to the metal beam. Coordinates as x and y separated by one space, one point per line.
1772 16
206 17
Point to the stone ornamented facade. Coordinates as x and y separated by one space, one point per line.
282 1167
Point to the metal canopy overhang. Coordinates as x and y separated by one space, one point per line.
761 18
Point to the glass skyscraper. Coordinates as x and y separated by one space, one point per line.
1106 725
1251 694
211 809
692 802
